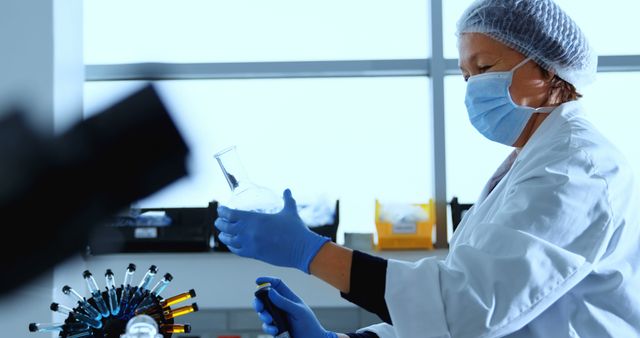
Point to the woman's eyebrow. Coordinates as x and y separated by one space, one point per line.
472 60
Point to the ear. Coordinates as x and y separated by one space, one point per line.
555 88
548 74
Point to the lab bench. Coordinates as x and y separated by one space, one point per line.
224 284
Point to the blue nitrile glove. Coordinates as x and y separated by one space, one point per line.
280 239
302 321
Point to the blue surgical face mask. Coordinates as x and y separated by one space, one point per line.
492 110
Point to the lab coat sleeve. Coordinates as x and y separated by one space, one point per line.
364 334
367 284
542 239
382 330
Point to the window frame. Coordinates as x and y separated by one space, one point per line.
436 68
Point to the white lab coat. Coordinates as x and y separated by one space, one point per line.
552 251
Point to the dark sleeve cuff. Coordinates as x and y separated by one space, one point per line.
365 334
368 282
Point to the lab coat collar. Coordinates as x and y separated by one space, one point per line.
554 121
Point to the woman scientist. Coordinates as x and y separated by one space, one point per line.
552 246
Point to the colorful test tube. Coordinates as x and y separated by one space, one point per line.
175 328
90 310
126 288
181 311
142 288
81 317
56 327
96 294
155 292
110 281
178 298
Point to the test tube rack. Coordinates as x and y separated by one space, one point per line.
80 321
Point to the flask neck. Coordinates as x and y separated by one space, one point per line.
238 183
233 170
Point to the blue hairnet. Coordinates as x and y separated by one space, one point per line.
539 29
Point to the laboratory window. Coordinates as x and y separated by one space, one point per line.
352 139
122 31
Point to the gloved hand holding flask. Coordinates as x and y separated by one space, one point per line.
254 224
280 239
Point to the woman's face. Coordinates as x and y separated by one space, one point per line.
480 53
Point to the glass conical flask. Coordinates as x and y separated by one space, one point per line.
245 194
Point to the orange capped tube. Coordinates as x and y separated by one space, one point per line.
175 328
178 298
181 311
